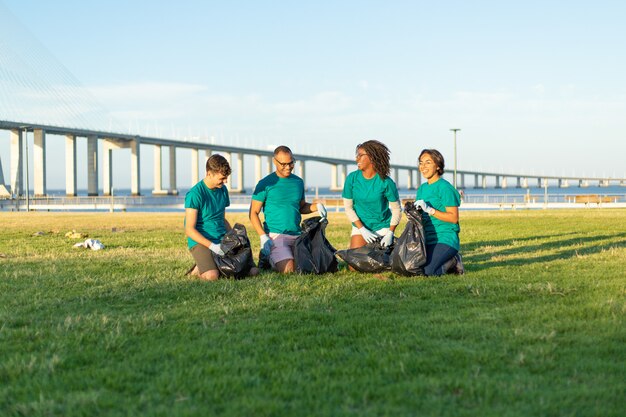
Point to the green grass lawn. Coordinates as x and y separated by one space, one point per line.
534 328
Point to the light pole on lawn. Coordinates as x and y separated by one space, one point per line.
454 130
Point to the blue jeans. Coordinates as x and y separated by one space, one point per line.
437 255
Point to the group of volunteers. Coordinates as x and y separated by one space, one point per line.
370 199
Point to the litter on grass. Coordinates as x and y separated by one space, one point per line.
75 235
93 244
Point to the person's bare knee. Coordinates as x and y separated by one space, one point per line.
285 267
357 241
210 275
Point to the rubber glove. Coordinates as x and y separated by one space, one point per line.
321 210
216 248
368 235
387 240
266 244
424 206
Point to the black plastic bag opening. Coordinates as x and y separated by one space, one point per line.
237 260
409 253
313 253
371 258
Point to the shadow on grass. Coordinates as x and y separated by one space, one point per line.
568 248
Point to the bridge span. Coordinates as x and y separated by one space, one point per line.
111 141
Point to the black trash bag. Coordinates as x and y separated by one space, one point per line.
372 257
409 253
237 260
313 253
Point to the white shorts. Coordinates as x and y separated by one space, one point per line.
381 232
282 249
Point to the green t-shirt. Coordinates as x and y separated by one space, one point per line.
211 205
281 199
439 195
371 198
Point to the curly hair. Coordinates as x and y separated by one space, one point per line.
378 154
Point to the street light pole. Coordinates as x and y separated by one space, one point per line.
454 130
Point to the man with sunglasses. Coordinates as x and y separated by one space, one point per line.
281 197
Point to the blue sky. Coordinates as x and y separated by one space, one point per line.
535 86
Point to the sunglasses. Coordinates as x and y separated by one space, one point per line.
285 164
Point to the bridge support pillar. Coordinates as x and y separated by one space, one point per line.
39 162
107 168
396 176
270 165
504 183
302 172
3 189
538 182
519 183
258 169
195 167
239 187
525 183
17 159
462 182
497 181
344 174
70 165
172 156
92 165
334 185
409 182
158 171
135 167
484 181
207 155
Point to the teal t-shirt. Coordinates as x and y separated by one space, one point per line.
371 198
211 205
281 199
439 195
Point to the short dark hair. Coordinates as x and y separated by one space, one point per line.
437 159
282 149
217 163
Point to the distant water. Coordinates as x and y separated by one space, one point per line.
325 191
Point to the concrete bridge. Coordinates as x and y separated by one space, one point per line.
263 164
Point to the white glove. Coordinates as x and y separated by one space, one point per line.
266 244
387 240
321 210
368 235
424 206
216 248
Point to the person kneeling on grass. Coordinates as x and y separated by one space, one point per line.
370 197
281 197
440 203
205 218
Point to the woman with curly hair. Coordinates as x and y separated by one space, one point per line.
370 196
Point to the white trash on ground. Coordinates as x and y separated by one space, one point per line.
93 244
